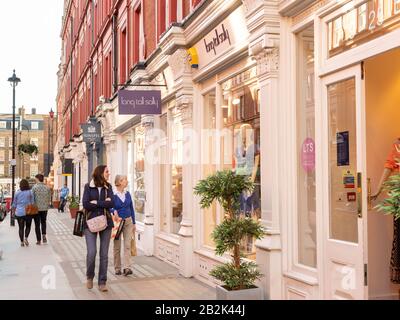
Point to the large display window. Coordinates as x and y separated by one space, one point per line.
136 171
306 186
241 141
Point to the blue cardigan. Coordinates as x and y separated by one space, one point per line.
124 209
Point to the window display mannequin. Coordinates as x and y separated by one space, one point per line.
392 165
247 162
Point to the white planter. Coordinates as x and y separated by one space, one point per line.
247 294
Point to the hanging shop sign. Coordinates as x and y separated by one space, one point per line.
308 155
139 102
226 36
362 23
67 167
91 132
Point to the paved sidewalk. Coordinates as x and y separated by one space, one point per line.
20 270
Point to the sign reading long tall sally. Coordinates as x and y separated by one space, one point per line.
139 102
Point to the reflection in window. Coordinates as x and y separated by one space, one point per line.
176 175
241 117
137 184
163 174
306 188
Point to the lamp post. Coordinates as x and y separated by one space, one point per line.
14 80
50 158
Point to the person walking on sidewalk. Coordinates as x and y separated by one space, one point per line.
123 209
98 199
41 195
22 198
63 198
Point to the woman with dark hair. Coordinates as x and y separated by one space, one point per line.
98 200
22 198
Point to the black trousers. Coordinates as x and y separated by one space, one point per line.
24 225
63 202
40 224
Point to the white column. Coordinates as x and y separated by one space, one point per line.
269 253
185 107
150 186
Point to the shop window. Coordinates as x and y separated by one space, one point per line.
163 174
139 172
209 161
176 174
241 148
306 189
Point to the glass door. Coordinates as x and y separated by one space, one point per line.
344 181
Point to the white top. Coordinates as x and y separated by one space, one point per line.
121 195
99 191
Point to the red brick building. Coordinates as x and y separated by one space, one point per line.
103 41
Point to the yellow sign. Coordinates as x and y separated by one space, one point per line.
194 57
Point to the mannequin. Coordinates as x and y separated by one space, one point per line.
392 165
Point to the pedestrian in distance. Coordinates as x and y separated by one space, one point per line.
98 199
22 198
123 213
42 197
63 198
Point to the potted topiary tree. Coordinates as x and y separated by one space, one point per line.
73 202
238 276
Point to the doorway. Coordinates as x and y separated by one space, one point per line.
382 104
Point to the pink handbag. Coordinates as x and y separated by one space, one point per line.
98 224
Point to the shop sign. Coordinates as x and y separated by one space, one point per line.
308 155
91 132
139 102
362 23
227 35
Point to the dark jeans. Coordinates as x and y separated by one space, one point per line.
24 224
63 202
40 221
91 245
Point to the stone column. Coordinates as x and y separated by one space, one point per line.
151 196
269 253
185 107
182 74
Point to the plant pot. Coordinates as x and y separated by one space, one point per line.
56 204
73 212
246 294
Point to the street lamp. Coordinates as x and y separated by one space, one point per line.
14 80
50 158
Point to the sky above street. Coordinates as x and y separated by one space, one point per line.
30 43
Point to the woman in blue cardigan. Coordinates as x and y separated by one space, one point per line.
123 209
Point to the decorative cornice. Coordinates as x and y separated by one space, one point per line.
268 62
172 40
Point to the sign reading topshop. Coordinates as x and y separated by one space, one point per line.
139 102
91 132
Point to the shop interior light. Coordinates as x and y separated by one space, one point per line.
236 101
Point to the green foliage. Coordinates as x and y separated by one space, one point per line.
391 205
73 202
27 148
231 232
226 187
237 278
